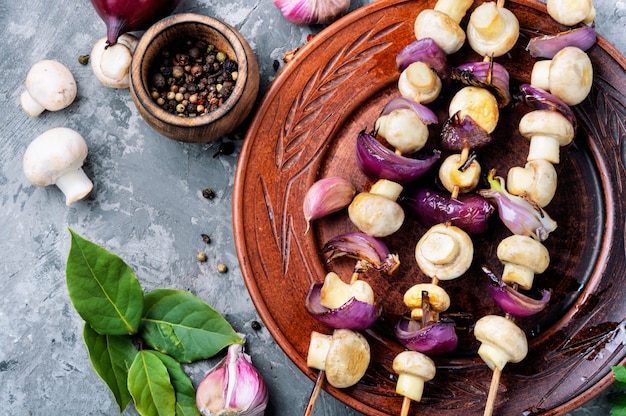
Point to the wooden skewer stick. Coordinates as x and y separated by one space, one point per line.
493 391
500 3
314 394
406 404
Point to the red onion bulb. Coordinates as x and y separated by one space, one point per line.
121 16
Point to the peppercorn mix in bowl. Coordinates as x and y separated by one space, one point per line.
194 78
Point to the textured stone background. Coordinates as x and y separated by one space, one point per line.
147 207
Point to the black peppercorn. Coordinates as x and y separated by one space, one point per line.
208 193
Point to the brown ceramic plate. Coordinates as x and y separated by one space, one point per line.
305 130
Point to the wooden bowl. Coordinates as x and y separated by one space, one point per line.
215 124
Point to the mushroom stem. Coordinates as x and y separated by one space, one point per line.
75 185
316 391
493 391
406 404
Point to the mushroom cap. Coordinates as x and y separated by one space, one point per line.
420 83
491 30
524 251
503 334
438 298
111 63
437 25
403 129
375 215
444 251
49 84
415 364
348 358
547 123
570 12
52 154
571 75
479 104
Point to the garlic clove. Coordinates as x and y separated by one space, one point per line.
308 12
233 387
326 196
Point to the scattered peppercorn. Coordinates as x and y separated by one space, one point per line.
208 193
255 325
192 67
83 59
201 257
206 238
276 64
222 268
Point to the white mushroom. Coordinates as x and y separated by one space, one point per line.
376 212
568 75
491 30
420 83
477 103
56 157
547 131
403 129
111 63
452 176
501 341
335 292
344 356
444 252
438 299
537 180
49 86
523 257
571 12
413 369
441 28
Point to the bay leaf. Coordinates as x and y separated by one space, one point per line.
150 385
111 356
183 326
185 392
103 289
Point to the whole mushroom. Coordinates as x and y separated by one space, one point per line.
501 341
344 356
56 158
571 12
568 75
547 131
111 63
413 369
537 180
522 257
442 24
376 212
491 30
49 86
444 252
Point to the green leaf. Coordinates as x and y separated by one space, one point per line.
619 372
182 325
111 357
149 384
185 392
103 289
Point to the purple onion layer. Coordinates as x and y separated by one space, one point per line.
433 339
353 314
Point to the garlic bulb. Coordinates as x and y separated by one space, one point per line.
309 12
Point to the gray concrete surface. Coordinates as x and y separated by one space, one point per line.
147 207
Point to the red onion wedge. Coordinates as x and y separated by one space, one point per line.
427 51
539 99
378 162
490 75
513 302
547 46
424 113
370 251
353 314
436 338
469 212
121 16
518 214
458 134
